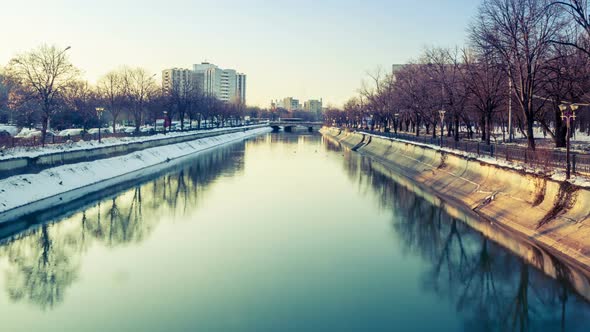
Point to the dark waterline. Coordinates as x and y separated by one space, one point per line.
282 232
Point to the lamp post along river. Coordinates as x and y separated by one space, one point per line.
442 125
99 111
568 113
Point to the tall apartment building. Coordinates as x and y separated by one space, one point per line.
225 84
314 106
241 86
177 79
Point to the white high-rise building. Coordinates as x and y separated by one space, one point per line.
177 79
225 84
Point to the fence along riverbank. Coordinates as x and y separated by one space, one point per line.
541 158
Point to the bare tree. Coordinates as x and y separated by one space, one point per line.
568 80
5 88
111 90
519 32
182 94
139 86
446 72
81 98
43 73
376 92
485 80
577 32
418 97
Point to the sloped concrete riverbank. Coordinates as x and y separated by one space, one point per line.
553 214
29 193
37 159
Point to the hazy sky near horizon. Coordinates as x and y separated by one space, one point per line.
305 48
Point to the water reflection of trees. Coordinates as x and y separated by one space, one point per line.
41 266
44 260
491 288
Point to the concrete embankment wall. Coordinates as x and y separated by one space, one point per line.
527 249
24 194
548 212
21 165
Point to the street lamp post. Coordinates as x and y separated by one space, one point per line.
165 118
441 113
568 114
99 111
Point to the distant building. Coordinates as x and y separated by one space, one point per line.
291 104
225 84
241 87
314 106
177 79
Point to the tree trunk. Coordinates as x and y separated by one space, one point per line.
530 134
560 131
45 123
456 128
483 128
489 126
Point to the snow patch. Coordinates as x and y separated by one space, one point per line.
31 152
20 191
554 174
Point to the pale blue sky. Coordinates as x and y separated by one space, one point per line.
305 49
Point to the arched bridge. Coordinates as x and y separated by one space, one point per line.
289 125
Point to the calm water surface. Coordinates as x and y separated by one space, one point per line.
279 233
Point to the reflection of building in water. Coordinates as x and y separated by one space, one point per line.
44 261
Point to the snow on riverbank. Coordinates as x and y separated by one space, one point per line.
17 152
60 184
554 174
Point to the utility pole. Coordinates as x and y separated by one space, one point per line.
509 107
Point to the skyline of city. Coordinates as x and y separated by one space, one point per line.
292 48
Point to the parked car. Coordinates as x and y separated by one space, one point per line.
147 129
10 129
37 133
24 133
71 132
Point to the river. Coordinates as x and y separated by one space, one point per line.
283 232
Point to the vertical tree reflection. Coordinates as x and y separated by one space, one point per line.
44 261
41 266
493 289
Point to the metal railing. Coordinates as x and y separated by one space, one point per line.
35 141
541 158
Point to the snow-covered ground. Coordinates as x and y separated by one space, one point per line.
27 193
36 151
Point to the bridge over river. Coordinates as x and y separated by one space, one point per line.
288 126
